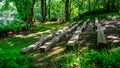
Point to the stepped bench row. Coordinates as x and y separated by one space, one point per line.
46 42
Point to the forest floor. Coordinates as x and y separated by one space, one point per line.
58 56
52 58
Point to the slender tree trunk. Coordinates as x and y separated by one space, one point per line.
43 8
32 12
67 16
89 6
49 9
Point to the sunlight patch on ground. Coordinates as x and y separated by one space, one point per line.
112 37
50 22
36 23
0 49
84 48
115 39
58 50
11 45
114 18
54 53
33 34
118 23
115 49
61 56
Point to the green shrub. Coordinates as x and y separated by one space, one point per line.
11 60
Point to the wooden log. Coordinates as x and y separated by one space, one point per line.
72 29
84 25
80 22
72 25
73 41
52 42
61 31
100 34
37 44
26 50
56 39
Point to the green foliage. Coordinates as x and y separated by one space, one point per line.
11 60
91 59
13 26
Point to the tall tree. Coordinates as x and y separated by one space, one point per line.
67 13
89 6
32 11
49 8
43 8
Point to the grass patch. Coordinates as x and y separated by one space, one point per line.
10 56
10 53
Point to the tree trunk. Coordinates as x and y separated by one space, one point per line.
32 12
67 16
89 6
43 8
49 9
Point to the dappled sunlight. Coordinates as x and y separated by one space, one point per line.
118 23
112 30
115 39
51 22
107 26
84 48
0 49
114 17
57 51
112 37
11 45
54 54
33 34
115 49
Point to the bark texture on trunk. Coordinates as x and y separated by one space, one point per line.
67 16
43 8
